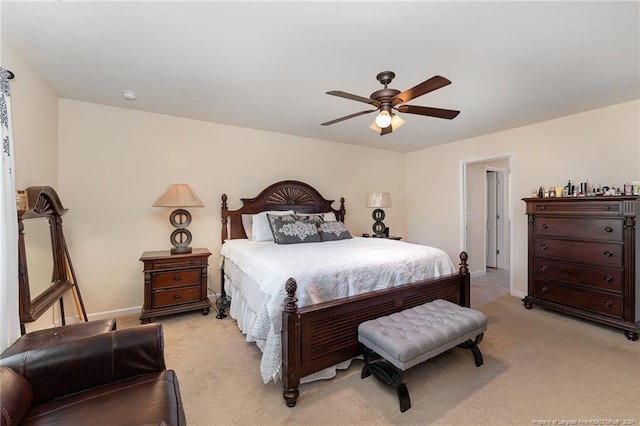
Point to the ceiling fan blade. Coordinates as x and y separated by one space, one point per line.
346 117
427 86
341 94
431 112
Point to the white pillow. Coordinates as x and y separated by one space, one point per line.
260 228
247 224
329 217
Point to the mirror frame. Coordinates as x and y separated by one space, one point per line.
43 201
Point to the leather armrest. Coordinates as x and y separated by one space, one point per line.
15 397
77 365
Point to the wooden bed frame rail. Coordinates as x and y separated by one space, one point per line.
322 335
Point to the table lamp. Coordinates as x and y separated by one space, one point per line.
179 195
377 200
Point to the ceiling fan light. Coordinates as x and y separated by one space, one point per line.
375 127
383 119
396 121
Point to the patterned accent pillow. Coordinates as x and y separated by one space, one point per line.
289 230
331 231
310 217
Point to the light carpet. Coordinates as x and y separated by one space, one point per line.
539 367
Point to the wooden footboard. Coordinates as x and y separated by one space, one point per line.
319 336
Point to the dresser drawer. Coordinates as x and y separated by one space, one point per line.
600 206
579 298
175 297
176 278
604 278
608 254
602 229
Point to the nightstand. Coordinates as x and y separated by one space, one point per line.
174 283
390 237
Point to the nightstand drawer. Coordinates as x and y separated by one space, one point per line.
608 254
604 278
578 298
580 228
176 278
175 297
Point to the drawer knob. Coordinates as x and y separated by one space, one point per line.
608 208
544 247
544 268
544 226
543 208
544 289
608 254
177 296
608 229
608 279
608 304
176 278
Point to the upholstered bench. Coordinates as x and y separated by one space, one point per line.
396 342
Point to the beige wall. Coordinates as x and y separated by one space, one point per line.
601 146
114 163
34 109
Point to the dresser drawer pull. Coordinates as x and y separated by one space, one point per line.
544 226
608 254
544 268
544 289
176 278
177 296
608 279
543 208
608 229
608 208
608 304
544 247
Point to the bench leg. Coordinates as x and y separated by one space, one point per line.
473 345
386 373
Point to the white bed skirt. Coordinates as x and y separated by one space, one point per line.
246 301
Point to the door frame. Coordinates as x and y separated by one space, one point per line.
509 209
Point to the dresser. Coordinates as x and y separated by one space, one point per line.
582 258
174 283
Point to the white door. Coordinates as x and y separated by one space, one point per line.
492 219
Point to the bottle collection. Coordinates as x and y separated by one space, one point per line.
585 189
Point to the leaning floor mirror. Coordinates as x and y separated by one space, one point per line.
45 271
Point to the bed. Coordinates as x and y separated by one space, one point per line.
314 334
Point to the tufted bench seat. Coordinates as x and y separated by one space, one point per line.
395 342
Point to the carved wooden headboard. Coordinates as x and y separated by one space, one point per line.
284 195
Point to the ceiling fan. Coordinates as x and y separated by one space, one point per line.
387 100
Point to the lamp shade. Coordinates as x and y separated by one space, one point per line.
378 199
179 195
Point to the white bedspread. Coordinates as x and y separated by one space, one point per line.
326 271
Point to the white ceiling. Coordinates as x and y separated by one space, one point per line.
267 65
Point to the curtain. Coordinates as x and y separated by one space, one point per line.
9 318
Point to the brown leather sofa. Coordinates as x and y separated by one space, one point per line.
113 378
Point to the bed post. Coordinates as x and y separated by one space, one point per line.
342 210
290 345
224 214
466 277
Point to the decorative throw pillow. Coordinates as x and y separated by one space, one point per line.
331 231
261 230
310 217
289 230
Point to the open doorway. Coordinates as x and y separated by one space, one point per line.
487 231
